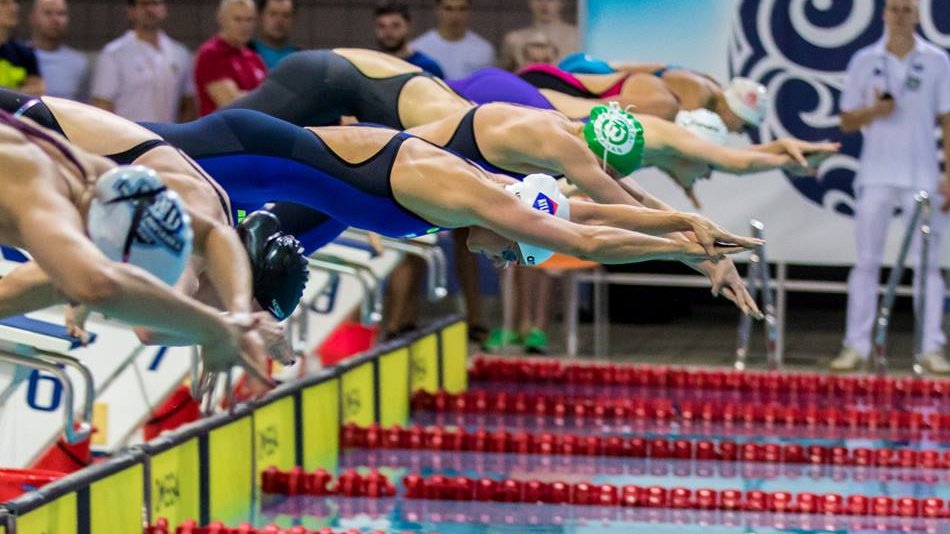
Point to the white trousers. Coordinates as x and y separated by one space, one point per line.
873 214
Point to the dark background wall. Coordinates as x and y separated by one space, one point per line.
320 23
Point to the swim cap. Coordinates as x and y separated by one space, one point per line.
581 63
278 264
705 124
135 219
541 192
748 99
616 136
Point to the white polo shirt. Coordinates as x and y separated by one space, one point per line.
900 150
144 83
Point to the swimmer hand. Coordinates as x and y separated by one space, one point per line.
726 281
691 252
76 322
241 345
806 156
272 333
714 238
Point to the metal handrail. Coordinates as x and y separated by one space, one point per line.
371 313
53 364
432 255
920 310
759 276
883 319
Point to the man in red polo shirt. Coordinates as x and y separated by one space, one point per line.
225 68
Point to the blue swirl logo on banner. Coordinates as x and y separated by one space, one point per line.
800 49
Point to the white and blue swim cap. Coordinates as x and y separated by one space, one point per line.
704 124
540 192
133 218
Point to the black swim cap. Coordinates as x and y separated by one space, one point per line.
278 264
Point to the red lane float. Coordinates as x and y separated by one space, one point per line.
217 527
546 371
662 410
439 487
320 483
501 441
465 489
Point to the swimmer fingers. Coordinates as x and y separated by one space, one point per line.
793 148
76 322
710 235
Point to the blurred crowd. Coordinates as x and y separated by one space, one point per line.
145 75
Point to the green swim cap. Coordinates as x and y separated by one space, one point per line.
616 136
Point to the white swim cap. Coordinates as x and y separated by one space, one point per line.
133 218
748 99
540 192
705 124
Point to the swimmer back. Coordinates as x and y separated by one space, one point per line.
317 87
464 142
495 85
550 77
32 108
260 159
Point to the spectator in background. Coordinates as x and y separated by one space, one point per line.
225 68
896 90
273 36
458 51
65 70
391 26
145 75
546 15
18 66
538 48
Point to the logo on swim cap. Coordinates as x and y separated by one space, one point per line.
539 191
616 136
544 203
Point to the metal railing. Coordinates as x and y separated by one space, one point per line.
759 279
431 254
372 309
920 220
55 365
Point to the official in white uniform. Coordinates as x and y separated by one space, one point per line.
895 92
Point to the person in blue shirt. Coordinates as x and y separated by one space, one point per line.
391 26
276 25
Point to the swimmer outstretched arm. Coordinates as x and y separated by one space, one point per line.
645 220
507 216
667 136
800 151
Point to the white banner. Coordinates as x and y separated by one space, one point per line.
799 49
